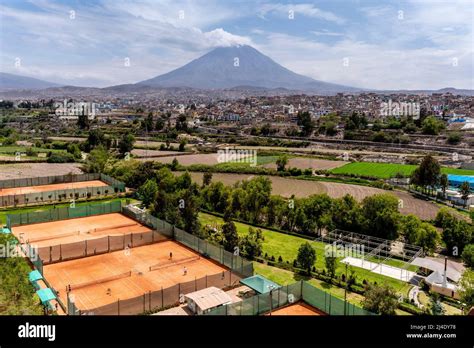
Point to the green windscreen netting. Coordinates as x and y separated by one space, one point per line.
63 213
287 295
64 195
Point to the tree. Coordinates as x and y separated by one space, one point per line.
148 192
466 288
74 150
306 257
435 307
432 126
427 174
174 164
83 121
454 138
465 191
468 255
419 233
381 216
97 160
457 235
443 182
281 162
147 124
380 299
96 138
231 238
206 179
160 124
181 123
182 145
251 244
126 143
330 260
306 123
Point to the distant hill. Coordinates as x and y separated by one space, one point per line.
17 82
237 66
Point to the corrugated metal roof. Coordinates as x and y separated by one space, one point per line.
209 298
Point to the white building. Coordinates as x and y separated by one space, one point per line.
202 301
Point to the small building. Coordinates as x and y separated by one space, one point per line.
438 283
443 279
203 301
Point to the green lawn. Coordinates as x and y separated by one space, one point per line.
284 277
279 244
388 170
14 149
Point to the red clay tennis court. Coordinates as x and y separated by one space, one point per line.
52 187
78 229
103 279
299 308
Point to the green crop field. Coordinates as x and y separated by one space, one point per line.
279 244
388 170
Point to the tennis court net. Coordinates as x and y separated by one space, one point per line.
173 263
72 287
55 236
116 227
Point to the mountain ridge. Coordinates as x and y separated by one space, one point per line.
242 65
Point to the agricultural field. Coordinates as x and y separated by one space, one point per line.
143 153
304 188
28 170
279 244
8 153
311 163
388 170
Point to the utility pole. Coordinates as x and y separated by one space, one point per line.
345 292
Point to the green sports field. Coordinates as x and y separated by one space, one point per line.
280 244
388 170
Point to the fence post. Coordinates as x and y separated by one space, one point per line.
149 300
162 303
108 243
206 280
118 306
144 302
60 252
195 284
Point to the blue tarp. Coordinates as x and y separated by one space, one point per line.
457 180
5 230
35 276
260 284
45 295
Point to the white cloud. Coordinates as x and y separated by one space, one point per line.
307 10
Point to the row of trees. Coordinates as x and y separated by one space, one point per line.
428 176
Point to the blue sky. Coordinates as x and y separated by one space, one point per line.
419 44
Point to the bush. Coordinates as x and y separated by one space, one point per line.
454 138
60 157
